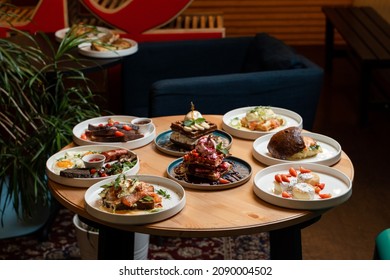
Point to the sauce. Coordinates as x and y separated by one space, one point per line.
142 122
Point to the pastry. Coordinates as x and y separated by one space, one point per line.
291 145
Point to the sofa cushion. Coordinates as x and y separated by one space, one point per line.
268 53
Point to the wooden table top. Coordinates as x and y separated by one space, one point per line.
228 212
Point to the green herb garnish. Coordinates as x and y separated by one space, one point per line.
192 122
222 149
164 193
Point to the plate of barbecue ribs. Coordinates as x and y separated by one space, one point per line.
114 130
207 167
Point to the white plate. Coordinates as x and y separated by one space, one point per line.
336 183
170 207
82 182
292 119
241 167
85 49
331 150
79 129
60 34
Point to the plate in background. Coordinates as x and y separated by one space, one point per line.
60 34
85 49
292 119
80 128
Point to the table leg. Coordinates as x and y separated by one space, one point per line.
329 45
115 244
286 243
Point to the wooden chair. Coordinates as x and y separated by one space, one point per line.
46 16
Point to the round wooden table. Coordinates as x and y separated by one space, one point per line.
235 211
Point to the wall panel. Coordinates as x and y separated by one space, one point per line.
297 22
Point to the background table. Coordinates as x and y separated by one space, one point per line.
230 212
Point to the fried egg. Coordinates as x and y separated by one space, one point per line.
68 161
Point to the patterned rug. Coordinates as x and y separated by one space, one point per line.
62 245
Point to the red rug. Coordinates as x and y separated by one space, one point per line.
62 245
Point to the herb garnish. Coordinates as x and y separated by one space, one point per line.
164 193
221 149
192 122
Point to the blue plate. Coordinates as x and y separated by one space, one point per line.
239 175
164 144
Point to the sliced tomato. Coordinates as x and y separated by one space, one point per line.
223 181
286 195
325 195
285 178
119 133
127 127
293 172
304 170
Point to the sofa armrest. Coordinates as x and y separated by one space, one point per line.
297 90
382 245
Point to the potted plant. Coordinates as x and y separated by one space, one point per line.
40 102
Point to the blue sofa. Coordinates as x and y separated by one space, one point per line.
219 75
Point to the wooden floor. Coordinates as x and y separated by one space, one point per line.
348 232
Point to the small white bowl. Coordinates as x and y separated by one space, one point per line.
94 161
143 124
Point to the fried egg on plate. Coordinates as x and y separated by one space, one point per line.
69 160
